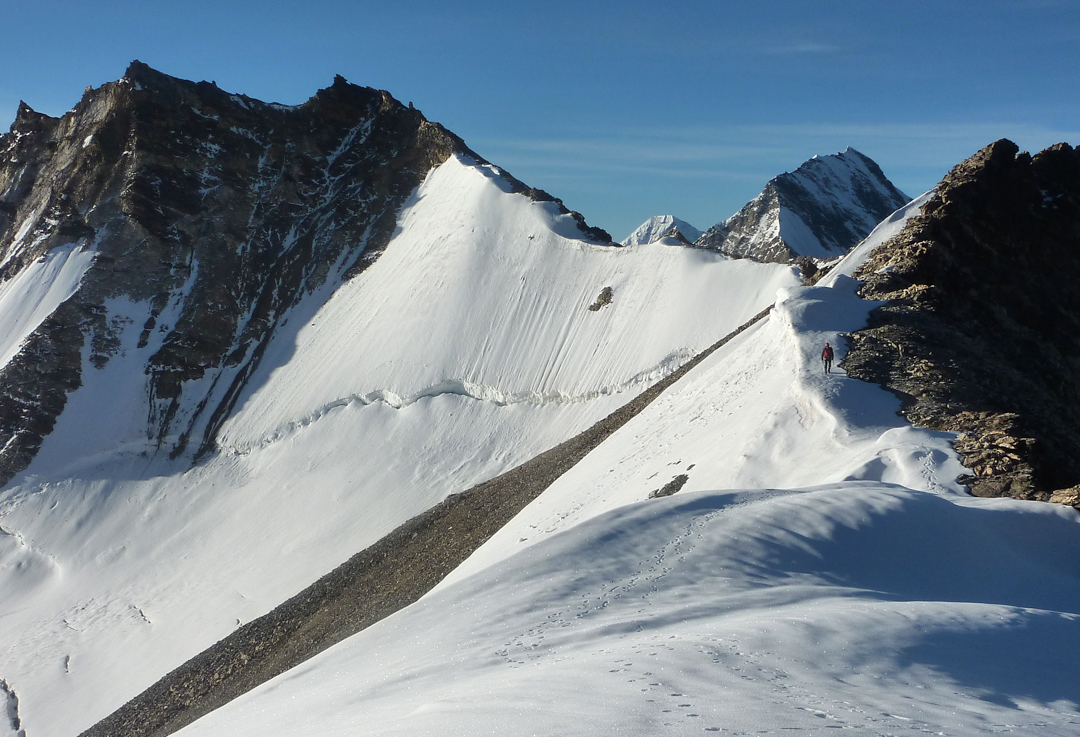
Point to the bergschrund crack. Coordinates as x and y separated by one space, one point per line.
470 390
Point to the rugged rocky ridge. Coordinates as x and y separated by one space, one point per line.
980 333
820 210
214 213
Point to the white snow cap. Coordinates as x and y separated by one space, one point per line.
659 226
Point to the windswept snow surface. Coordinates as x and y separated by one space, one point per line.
820 570
465 349
859 606
657 227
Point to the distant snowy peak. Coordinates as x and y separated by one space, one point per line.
820 210
658 227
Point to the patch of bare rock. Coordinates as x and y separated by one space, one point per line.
980 330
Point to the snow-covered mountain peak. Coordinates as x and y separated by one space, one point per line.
278 377
820 210
210 216
658 227
340 310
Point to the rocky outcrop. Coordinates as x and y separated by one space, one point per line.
820 211
980 333
602 300
214 214
1069 497
671 487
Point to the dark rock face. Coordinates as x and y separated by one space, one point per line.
820 210
981 333
215 213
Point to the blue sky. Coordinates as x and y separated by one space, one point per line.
624 110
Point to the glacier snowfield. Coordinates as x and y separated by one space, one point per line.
819 570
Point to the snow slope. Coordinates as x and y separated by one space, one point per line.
36 291
861 606
501 301
657 227
465 349
820 569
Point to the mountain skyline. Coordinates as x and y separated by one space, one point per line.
247 342
226 275
624 112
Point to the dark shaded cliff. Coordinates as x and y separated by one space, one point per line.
981 332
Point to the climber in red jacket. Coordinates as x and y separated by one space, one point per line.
827 357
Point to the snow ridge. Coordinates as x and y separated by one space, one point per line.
821 569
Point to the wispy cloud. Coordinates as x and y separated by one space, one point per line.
703 146
803 48
640 148
592 169
919 153
910 131
708 172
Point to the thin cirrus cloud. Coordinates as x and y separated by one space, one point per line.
565 170
937 145
630 148
708 172
802 48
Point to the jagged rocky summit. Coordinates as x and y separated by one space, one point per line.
214 211
980 330
819 211
662 226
